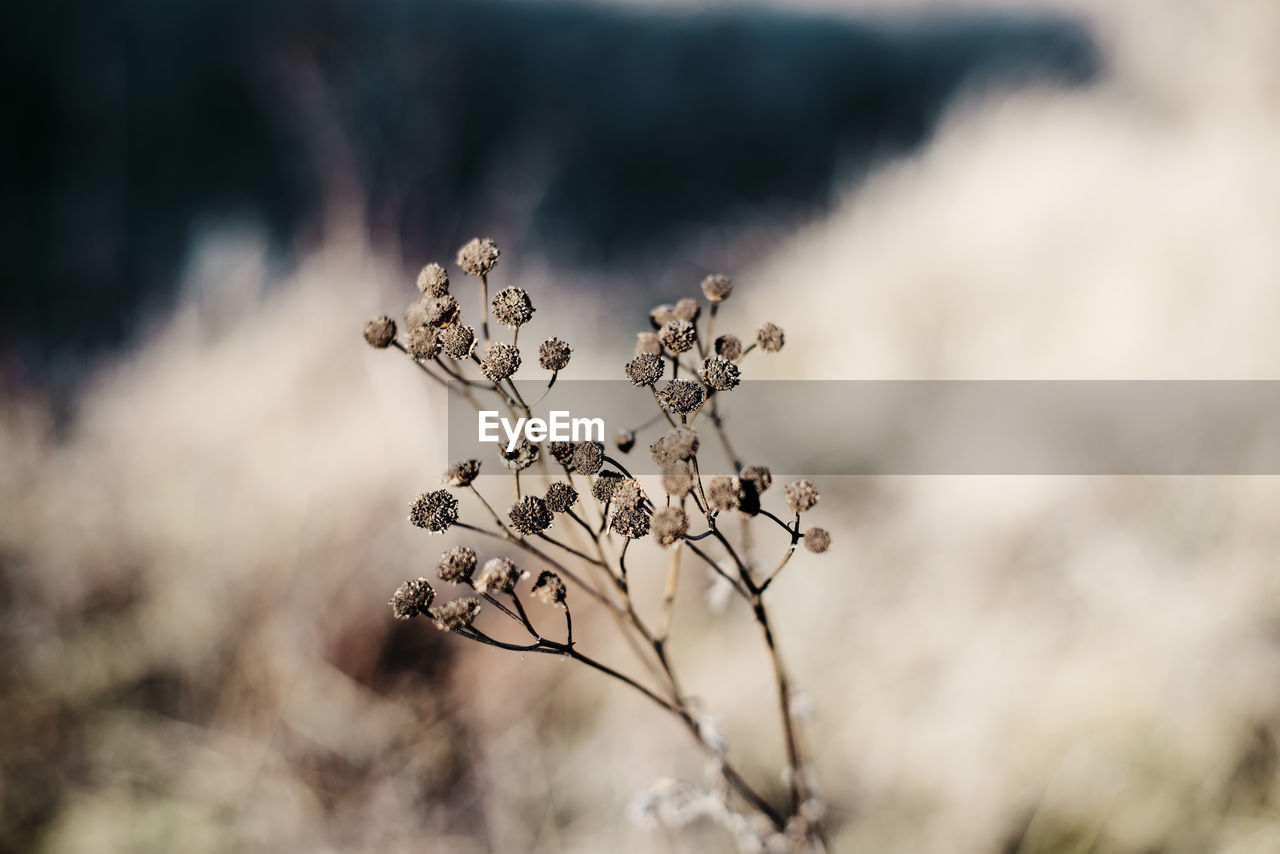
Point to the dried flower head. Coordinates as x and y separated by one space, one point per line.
604 485
678 336
456 341
647 342
512 307
380 332
479 256
758 476
433 280
624 439
681 396
562 452
630 522
801 496
462 473
412 598
660 315
817 540
424 344
677 479
770 338
519 458
440 311
434 511
676 445
499 575
719 373
416 314
628 494
724 492
553 354
588 457
530 515
729 347
560 497
644 369
717 287
455 614
669 525
550 589
457 564
500 362
688 309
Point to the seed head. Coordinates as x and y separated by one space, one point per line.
624 439
562 452
770 338
553 354
462 473
530 515
644 369
677 480
631 522
511 307
647 342
717 288
380 332
457 564
724 492
455 614
628 494
588 457
424 344
669 525
440 311
676 445
500 362
521 457
660 315
688 309
817 540
604 486
456 341
801 496
479 256
434 511
678 335
499 575
433 280
560 497
412 598
758 476
681 396
550 589
719 373
729 347
416 314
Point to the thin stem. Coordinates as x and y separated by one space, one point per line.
484 306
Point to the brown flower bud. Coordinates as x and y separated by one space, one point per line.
729 347
512 307
499 575
424 344
817 540
440 311
456 341
801 496
681 396
456 614
412 598
647 342
560 497
478 257
500 362
519 458
669 525
677 480
434 511
628 494
759 477
433 280
644 370
678 336
530 515
553 354
770 338
630 522
550 589
676 445
588 457
457 565
659 315
688 309
462 473
562 452
724 493
604 485
380 332
624 439
719 373
717 288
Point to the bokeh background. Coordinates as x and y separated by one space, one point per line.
204 469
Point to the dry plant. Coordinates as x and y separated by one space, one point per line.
605 509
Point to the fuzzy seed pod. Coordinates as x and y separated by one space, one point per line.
499 575
457 565
669 525
380 332
817 540
553 354
678 336
560 497
645 369
462 473
500 362
624 439
455 614
478 257
677 480
660 315
630 522
521 457
412 598
562 452
801 496
512 307
717 288
433 280
681 396
588 457
424 344
550 589
441 311
729 347
719 373
434 511
724 493
456 341
770 338
628 494
759 477
530 515
647 342
604 485
416 314
688 310
676 445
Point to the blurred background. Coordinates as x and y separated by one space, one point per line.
205 469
